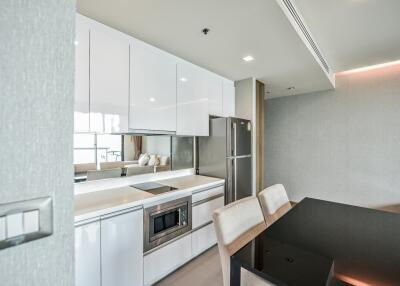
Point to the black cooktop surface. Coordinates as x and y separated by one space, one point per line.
153 188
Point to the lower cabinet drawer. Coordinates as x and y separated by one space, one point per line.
202 239
163 261
202 213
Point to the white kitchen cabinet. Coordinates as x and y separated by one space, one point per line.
152 88
203 239
81 98
109 79
192 101
202 212
87 255
213 86
203 194
163 261
123 84
122 249
228 91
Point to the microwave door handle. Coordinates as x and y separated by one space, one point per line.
179 217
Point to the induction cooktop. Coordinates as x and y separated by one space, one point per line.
153 188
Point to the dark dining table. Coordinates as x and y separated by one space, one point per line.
325 243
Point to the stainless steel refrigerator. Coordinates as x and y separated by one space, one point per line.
226 154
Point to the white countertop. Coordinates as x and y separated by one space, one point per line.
94 204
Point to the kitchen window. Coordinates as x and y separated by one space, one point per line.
94 148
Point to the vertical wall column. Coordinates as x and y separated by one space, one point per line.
249 97
260 92
36 115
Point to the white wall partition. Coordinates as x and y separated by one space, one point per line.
36 114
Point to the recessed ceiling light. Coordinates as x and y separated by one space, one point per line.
248 58
152 99
76 42
183 79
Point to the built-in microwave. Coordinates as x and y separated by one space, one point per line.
166 221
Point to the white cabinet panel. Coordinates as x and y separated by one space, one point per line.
228 89
202 239
192 101
81 99
202 213
109 80
213 85
152 88
87 255
122 249
208 193
166 259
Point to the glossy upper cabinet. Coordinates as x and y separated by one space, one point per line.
81 99
109 80
87 255
152 88
213 87
122 249
192 101
123 84
228 91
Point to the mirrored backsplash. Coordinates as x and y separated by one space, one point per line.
102 156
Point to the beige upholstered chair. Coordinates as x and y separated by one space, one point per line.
133 170
83 168
113 165
235 225
103 174
274 203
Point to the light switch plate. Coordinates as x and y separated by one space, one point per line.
15 225
31 220
2 228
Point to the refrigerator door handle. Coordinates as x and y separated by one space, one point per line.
235 180
231 190
234 138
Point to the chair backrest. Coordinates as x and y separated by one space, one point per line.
139 170
274 203
235 225
81 168
103 174
111 165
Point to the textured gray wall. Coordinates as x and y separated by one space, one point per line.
341 145
36 117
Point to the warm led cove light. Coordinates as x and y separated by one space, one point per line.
368 68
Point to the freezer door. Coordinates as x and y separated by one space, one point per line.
240 137
239 183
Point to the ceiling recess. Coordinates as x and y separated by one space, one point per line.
298 20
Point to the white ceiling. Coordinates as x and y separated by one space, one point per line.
238 28
354 33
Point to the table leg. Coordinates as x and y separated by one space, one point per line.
235 273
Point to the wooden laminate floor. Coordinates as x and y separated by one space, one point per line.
203 270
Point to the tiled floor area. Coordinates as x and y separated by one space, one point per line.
203 270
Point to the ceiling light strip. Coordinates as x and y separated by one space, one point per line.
370 68
306 34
